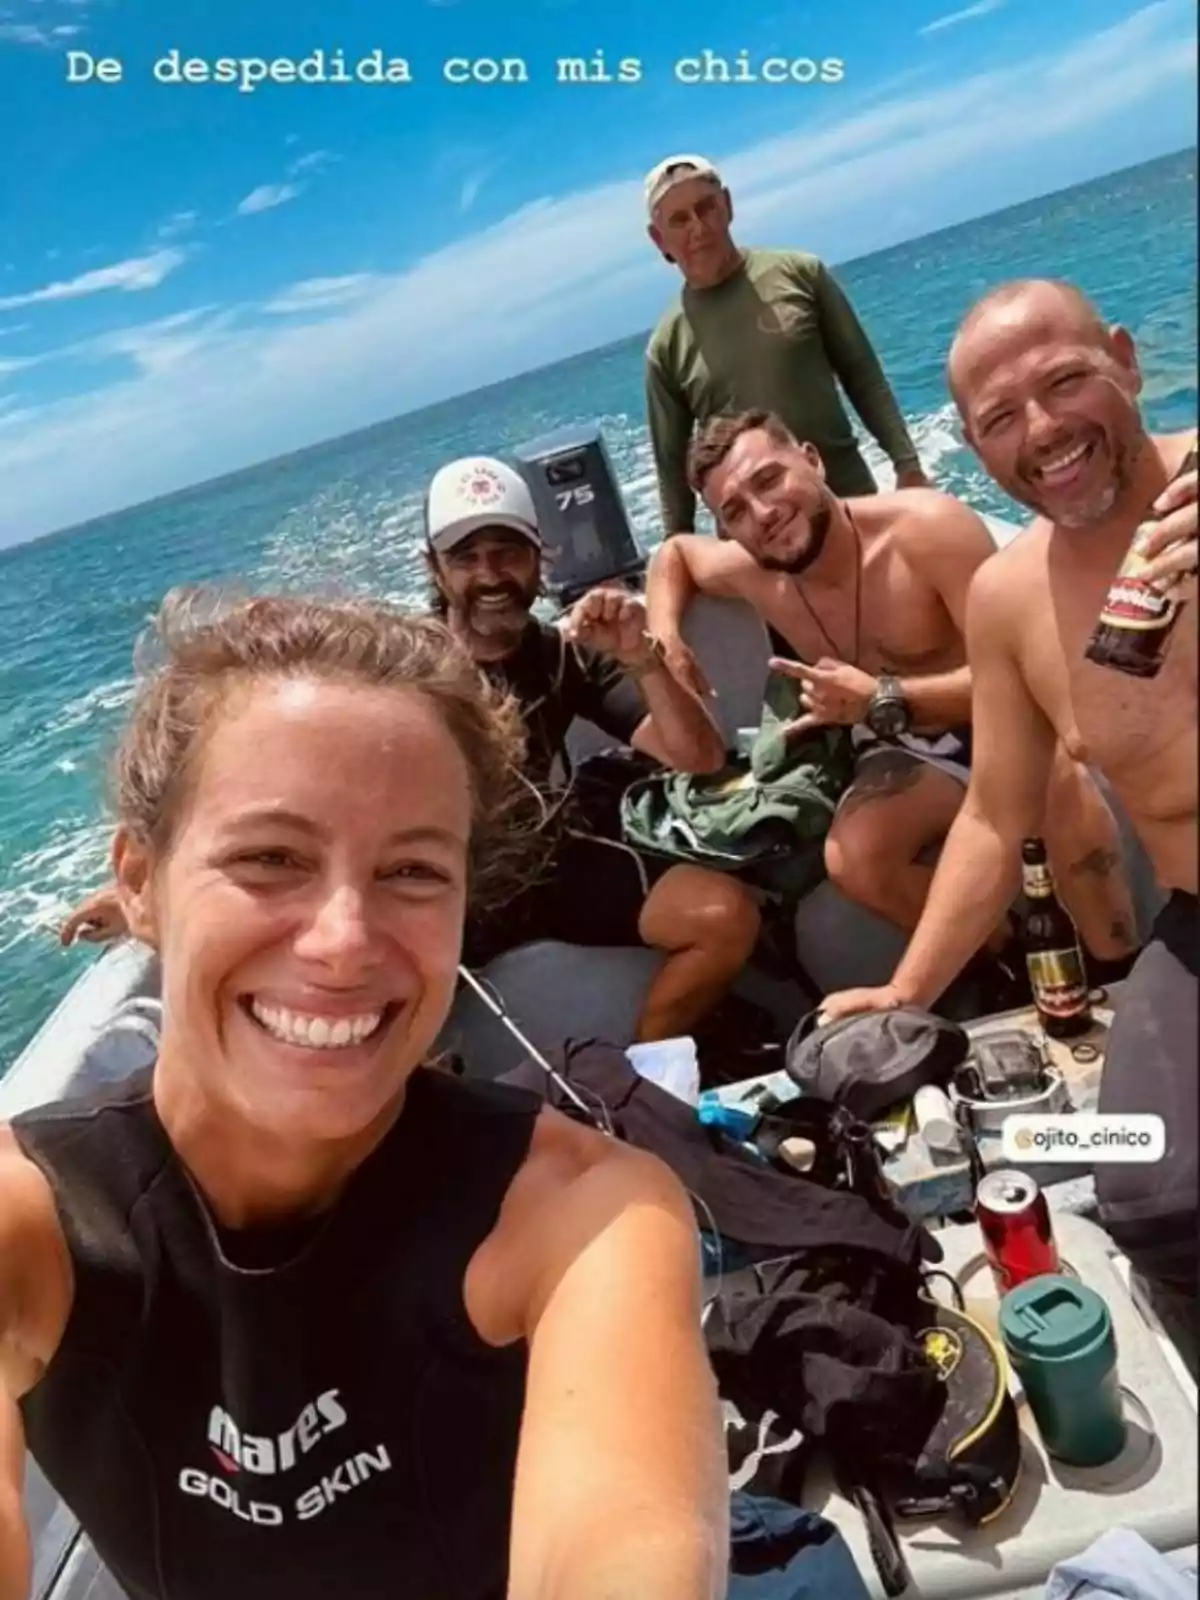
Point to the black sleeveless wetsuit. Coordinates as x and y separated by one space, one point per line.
319 1420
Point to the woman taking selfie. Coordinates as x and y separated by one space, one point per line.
295 1314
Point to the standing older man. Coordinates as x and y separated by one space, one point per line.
1048 393
756 329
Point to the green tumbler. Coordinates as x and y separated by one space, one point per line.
1059 1337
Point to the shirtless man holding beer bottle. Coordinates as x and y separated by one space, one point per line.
1075 634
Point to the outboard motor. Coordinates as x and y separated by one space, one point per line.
581 515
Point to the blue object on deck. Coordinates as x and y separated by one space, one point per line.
780 1552
1120 1565
739 1122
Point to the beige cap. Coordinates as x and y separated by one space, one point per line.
676 169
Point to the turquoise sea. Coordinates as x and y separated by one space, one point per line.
347 512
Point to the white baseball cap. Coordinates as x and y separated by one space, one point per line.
477 492
676 169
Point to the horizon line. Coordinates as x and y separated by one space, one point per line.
234 473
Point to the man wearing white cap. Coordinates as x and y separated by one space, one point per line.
485 560
756 329
484 554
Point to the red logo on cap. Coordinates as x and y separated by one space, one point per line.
481 486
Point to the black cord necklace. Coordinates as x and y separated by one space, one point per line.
858 588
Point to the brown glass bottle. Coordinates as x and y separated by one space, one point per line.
1053 958
1138 618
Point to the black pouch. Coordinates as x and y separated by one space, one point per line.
844 1154
871 1062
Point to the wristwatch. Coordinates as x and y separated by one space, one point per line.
888 714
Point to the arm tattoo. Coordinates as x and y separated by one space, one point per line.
1100 863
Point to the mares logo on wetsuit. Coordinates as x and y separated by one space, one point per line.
270 1455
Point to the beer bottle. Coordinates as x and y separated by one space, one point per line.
1052 955
1138 617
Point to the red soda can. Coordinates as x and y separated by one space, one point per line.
1015 1222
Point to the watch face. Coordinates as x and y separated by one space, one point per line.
888 718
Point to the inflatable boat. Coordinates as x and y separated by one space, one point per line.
107 1025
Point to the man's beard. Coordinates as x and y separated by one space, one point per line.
509 621
818 531
1103 503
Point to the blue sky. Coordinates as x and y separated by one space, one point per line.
194 278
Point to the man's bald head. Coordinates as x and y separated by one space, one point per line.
1050 304
1048 396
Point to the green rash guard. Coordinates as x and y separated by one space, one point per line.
778 335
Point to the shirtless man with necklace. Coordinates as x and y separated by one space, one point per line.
868 595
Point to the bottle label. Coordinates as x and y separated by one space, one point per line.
1038 883
1058 982
1132 602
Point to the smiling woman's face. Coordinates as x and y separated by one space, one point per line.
309 910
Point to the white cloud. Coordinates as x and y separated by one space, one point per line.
944 130
1118 48
467 166
267 196
140 272
983 8
471 189
179 222
320 294
314 161
17 364
14 327
31 33
564 272
18 417
25 33
474 184
160 346
152 347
